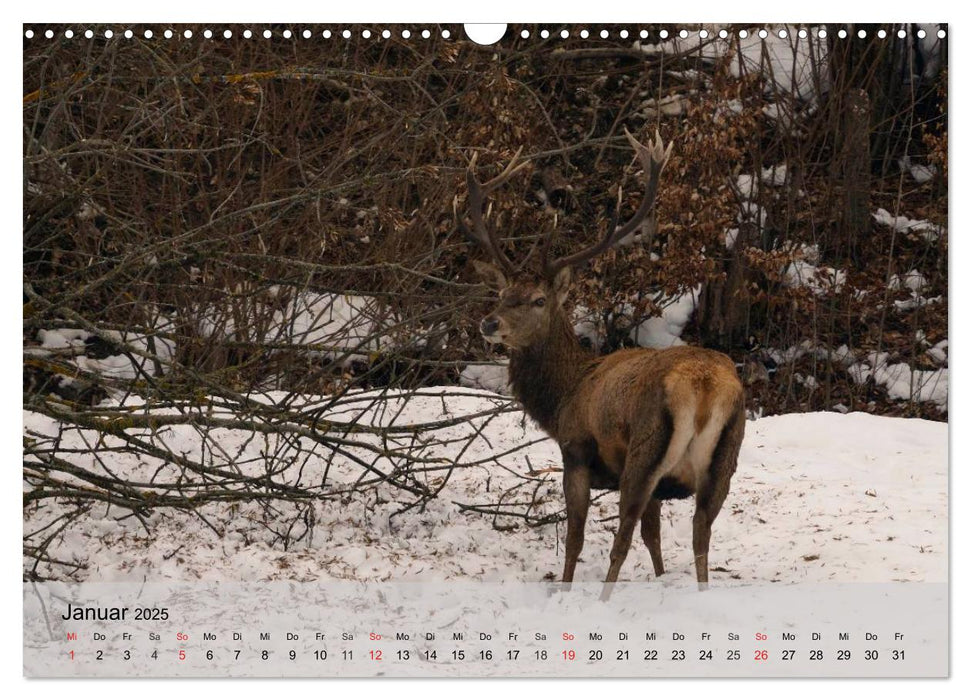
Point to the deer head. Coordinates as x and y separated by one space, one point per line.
527 307
530 303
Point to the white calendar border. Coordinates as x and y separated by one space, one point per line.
378 11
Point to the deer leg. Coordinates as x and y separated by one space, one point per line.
707 505
712 495
576 487
633 501
651 534
702 535
643 469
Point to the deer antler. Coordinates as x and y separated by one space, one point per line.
478 192
653 157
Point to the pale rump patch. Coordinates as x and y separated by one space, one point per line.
702 446
690 450
677 449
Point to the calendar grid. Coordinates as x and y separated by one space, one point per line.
481 630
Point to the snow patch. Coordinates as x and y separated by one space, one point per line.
493 377
747 186
915 302
62 338
121 366
665 331
731 238
902 382
788 63
913 280
938 352
588 325
819 279
927 230
775 175
920 173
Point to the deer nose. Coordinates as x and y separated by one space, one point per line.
489 326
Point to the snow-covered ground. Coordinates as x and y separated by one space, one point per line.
818 497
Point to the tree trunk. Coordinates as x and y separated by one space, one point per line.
855 224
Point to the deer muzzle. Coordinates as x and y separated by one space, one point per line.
489 327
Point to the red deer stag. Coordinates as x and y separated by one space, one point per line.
655 424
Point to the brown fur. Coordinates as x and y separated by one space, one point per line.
654 424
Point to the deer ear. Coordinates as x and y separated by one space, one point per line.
491 275
561 284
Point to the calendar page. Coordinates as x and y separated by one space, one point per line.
540 351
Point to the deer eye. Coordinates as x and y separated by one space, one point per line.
540 302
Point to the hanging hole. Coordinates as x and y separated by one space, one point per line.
485 34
